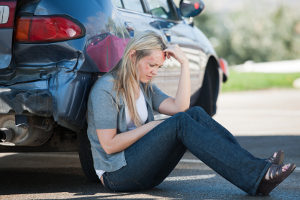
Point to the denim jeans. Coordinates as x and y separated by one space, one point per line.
152 158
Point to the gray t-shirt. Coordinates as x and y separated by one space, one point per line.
104 112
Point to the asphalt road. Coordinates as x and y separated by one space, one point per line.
263 122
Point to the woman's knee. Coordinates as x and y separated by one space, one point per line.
181 115
196 110
182 120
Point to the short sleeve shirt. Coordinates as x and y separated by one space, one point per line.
106 111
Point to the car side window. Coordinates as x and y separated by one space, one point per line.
161 8
117 3
134 5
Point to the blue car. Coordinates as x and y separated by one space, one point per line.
52 51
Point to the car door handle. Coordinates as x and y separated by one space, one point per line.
129 27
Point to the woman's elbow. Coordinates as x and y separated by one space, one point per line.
106 142
183 108
108 150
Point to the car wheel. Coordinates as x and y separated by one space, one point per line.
85 155
207 95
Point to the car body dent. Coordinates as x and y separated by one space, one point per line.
5 49
49 78
53 79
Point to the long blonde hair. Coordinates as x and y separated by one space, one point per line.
127 76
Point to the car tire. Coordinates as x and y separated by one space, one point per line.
85 156
207 95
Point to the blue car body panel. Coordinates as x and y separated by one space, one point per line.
53 79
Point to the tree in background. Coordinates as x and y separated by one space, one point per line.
247 34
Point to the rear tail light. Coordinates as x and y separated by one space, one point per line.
224 67
196 6
47 29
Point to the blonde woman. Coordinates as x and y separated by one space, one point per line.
133 152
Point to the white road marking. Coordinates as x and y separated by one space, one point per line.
75 156
40 154
190 161
264 112
237 132
188 178
200 162
7 154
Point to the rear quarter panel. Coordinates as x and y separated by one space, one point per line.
63 70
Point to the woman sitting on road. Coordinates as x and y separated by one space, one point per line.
132 152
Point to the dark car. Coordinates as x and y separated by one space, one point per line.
52 51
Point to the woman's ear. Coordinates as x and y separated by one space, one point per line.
132 55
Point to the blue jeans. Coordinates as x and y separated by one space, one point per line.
152 158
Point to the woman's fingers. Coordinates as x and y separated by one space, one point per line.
176 52
169 53
172 51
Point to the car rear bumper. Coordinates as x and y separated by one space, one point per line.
62 95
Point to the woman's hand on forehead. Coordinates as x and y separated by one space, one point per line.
176 52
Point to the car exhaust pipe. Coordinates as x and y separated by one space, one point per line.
22 130
6 135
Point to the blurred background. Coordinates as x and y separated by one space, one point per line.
260 31
247 32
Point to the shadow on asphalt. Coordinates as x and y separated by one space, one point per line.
56 181
50 182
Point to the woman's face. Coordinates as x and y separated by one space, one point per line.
149 65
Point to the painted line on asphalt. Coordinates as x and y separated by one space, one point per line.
200 162
188 178
40 154
7 154
190 161
284 133
75 156
264 112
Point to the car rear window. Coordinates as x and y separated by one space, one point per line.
117 3
161 9
134 5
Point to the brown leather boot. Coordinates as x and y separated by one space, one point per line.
274 176
277 158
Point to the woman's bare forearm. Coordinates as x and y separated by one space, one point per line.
119 142
182 99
